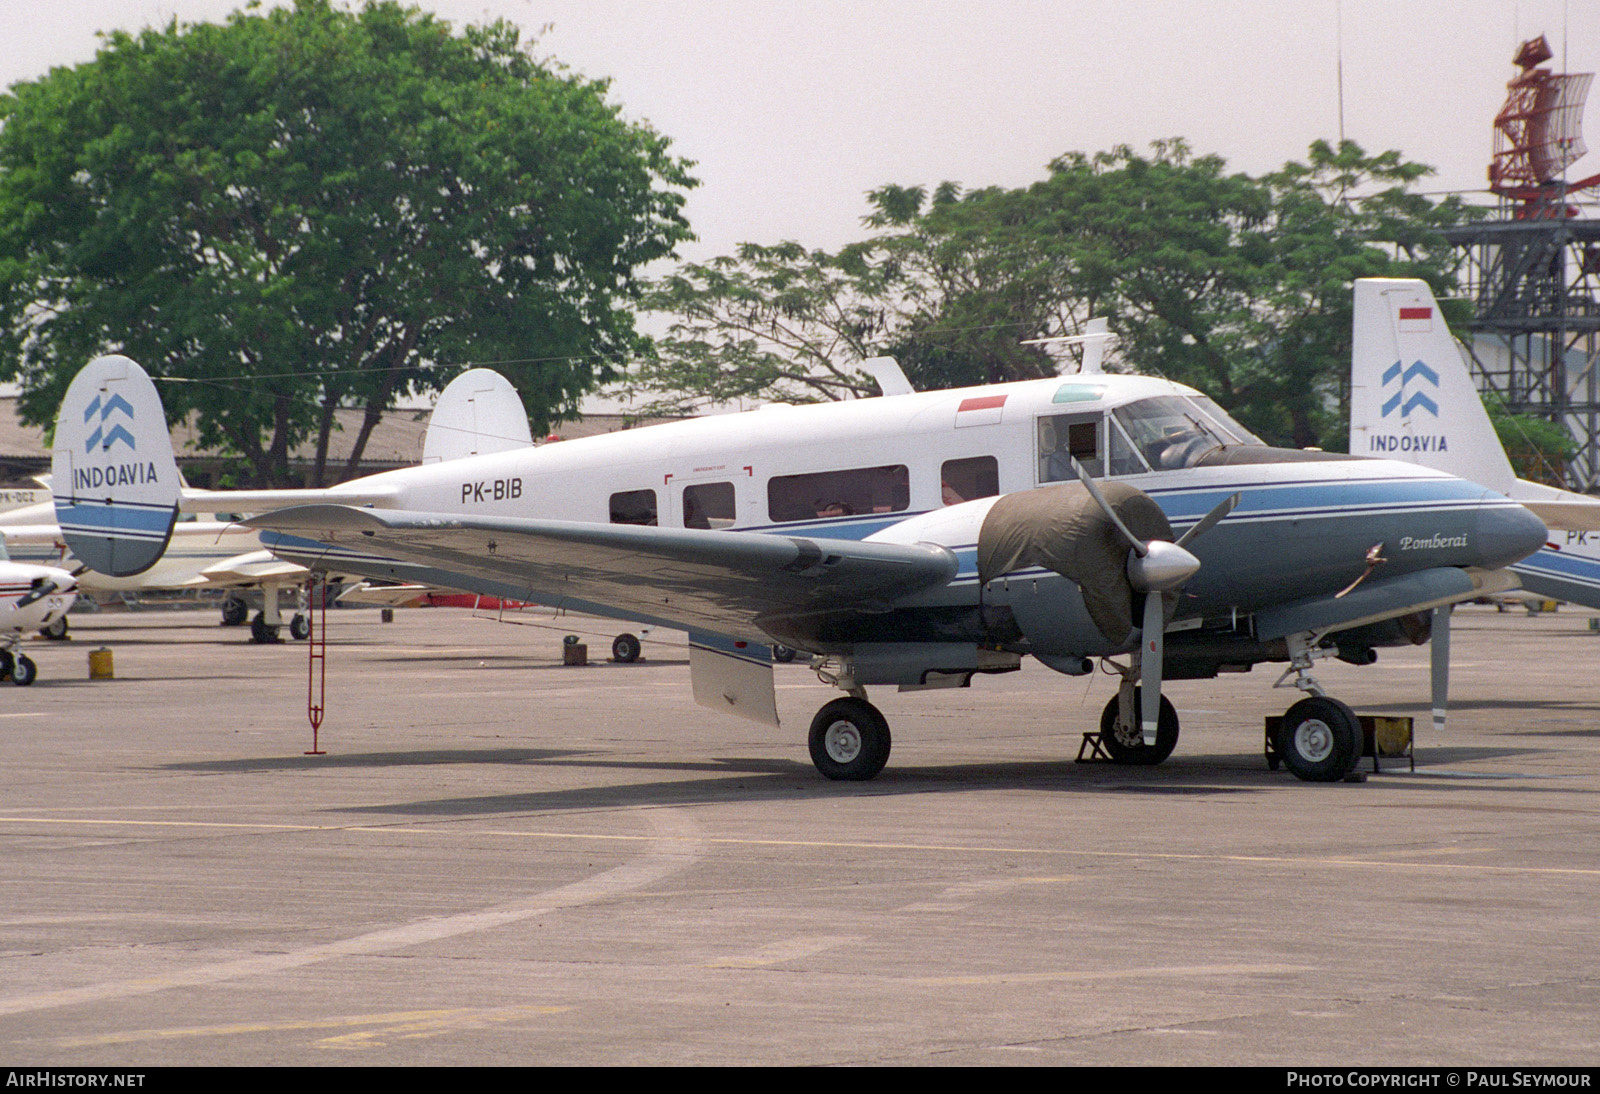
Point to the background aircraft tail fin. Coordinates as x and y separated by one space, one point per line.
477 413
113 474
1411 395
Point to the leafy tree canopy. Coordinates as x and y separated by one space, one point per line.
1239 286
318 206
1539 449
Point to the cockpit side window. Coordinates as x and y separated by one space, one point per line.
1168 432
1237 434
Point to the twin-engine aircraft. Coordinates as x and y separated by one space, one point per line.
914 540
1412 398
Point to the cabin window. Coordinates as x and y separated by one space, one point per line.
969 479
708 505
633 507
1070 435
848 493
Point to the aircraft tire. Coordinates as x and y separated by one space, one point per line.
7 664
1320 740
24 672
261 630
1126 743
300 627
782 654
626 648
849 740
234 612
56 631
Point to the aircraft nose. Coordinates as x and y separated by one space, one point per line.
1508 533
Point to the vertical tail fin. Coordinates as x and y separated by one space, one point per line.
113 474
477 413
1411 396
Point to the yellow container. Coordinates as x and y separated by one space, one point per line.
100 664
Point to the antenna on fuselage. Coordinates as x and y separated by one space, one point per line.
890 376
1095 338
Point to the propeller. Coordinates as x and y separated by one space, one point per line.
41 588
1155 567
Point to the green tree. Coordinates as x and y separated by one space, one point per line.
1239 286
316 207
1538 449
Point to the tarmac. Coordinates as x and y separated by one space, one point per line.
504 860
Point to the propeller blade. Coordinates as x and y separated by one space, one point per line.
1209 521
1440 658
1152 635
1134 541
43 589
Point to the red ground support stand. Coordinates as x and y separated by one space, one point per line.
317 656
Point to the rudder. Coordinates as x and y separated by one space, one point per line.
113 474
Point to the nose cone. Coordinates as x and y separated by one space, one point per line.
1507 533
1164 566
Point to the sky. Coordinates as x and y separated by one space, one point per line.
794 109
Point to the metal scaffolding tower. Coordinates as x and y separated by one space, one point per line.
1533 273
1535 286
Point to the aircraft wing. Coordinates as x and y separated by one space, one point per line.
718 581
1559 509
250 568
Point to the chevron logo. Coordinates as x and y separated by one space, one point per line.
1402 402
117 432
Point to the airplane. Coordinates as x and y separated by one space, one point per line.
1412 398
914 540
31 598
479 411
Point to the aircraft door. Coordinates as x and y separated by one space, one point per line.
1064 437
704 504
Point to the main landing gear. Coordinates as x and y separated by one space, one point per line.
849 740
1319 739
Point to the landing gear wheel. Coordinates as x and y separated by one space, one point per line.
300 627
234 611
24 672
625 649
782 654
261 630
849 740
7 664
1320 740
55 631
1126 744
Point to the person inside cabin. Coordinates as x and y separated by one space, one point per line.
948 494
835 509
693 515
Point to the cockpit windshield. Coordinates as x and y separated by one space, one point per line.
1172 431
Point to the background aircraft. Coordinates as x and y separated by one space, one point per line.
31 598
1412 398
477 412
914 540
